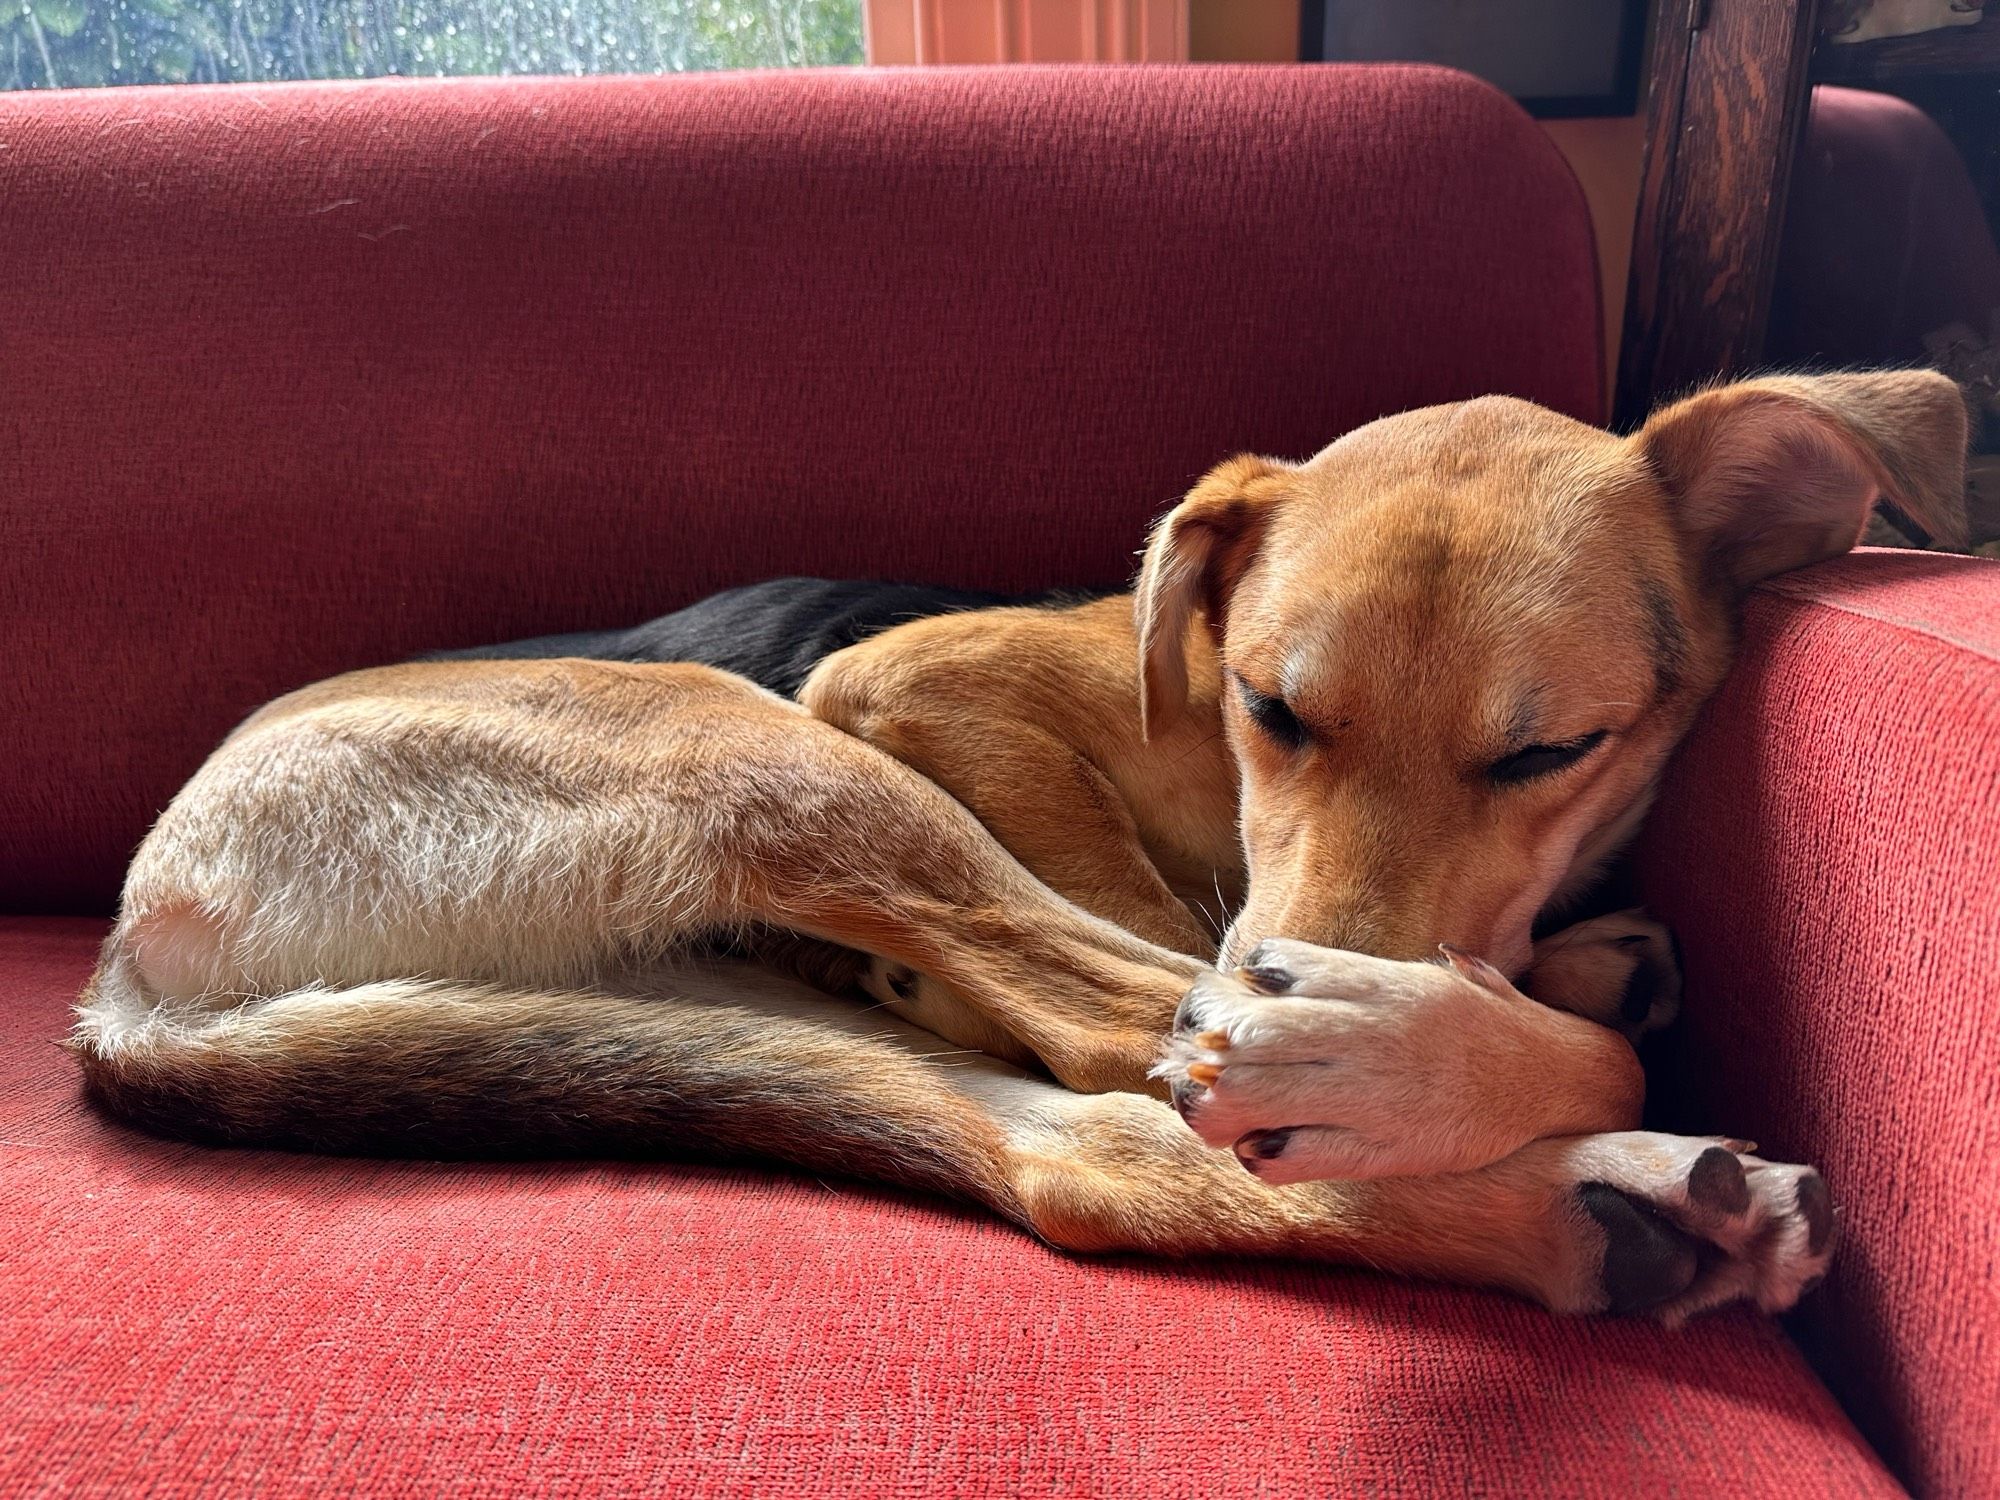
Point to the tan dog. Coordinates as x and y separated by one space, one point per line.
1410 693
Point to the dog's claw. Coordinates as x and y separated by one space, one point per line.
1263 973
1264 1145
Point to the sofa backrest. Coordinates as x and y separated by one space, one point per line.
299 378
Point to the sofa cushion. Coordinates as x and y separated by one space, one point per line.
317 376
1827 845
191 1321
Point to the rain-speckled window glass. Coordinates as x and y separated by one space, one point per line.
83 43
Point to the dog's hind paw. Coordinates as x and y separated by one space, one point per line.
1672 1226
1622 970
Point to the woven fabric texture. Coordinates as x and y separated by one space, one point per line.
314 377
182 1322
1828 849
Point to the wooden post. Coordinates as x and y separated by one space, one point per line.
1725 99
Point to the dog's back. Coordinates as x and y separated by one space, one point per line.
773 633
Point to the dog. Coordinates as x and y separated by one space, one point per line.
1259 849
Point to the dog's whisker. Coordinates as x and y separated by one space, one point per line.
1199 745
1218 920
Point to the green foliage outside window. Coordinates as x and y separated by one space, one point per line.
84 43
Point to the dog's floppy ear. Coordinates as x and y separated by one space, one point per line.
1773 474
1193 559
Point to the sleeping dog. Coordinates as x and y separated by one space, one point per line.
1259 850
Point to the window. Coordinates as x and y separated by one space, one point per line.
83 43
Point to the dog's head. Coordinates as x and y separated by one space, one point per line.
1459 644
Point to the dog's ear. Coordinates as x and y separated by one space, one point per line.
1773 474
1193 559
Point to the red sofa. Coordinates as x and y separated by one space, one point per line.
1886 240
298 378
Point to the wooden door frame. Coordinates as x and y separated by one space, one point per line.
1726 94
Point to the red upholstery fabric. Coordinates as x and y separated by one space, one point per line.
1886 240
1828 848
175 1321
296 379
302 378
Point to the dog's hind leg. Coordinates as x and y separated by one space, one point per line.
1629 1222
1621 970
758 1068
544 825
880 859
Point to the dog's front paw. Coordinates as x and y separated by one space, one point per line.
1622 970
1316 1063
1672 1226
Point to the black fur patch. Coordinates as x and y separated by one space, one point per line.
773 633
1669 638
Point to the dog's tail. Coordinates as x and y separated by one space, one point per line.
423 1068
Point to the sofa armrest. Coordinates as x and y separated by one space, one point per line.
1827 846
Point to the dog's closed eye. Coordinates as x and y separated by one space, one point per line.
1532 762
1272 716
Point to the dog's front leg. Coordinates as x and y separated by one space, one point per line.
1313 1063
837 840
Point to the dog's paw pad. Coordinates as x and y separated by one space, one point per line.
1716 1182
1686 1226
1814 1204
1647 1261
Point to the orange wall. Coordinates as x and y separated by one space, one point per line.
1607 157
1001 31
1243 30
